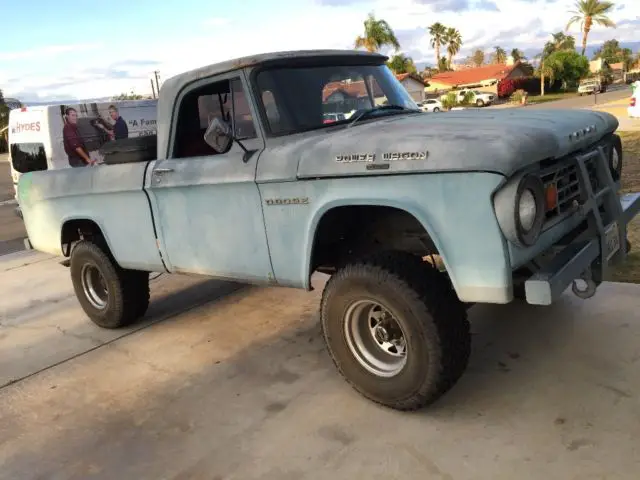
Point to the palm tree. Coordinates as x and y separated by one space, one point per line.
453 40
499 55
550 67
402 64
377 33
517 55
477 58
589 12
438 33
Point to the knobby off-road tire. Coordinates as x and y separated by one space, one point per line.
427 310
111 296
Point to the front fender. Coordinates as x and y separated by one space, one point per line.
454 208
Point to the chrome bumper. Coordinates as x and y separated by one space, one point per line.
587 257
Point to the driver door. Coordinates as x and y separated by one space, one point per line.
206 205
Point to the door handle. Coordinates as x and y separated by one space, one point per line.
162 170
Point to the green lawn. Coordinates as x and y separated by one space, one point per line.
630 271
551 97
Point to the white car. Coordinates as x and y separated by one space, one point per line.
634 104
591 86
431 105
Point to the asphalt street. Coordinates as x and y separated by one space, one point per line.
614 93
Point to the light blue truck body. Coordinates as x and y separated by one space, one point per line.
257 221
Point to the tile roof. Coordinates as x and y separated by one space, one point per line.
403 76
474 75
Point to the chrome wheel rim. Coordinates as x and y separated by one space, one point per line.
94 286
375 338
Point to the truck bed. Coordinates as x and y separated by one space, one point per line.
112 196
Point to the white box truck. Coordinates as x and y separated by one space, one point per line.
71 135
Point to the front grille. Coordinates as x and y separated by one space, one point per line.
565 175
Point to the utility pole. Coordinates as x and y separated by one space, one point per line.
153 88
157 75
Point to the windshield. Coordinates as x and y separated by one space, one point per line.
296 99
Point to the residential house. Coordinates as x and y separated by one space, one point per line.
617 71
484 78
596 66
349 95
414 84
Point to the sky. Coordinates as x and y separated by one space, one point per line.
68 50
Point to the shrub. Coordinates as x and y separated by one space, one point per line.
506 87
517 96
450 100
467 98
531 85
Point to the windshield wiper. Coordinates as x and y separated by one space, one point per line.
379 108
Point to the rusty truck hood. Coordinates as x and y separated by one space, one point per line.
495 140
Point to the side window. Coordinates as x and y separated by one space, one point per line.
28 157
225 100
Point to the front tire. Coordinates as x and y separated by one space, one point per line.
480 103
436 110
112 297
395 330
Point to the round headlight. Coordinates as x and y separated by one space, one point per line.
520 209
527 210
615 158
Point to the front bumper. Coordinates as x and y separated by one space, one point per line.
589 255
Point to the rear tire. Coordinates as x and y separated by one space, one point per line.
112 297
418 304
480 103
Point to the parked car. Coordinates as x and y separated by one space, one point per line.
414 217
590 86
431 105
477 98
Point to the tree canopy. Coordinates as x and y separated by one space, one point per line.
499 55
590 12
477 57
559 42
377 34
4 112
612 52
567 66
438 34
128 96
453 41
402 64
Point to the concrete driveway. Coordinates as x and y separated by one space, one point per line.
223 382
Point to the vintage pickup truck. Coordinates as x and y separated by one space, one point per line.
415 217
